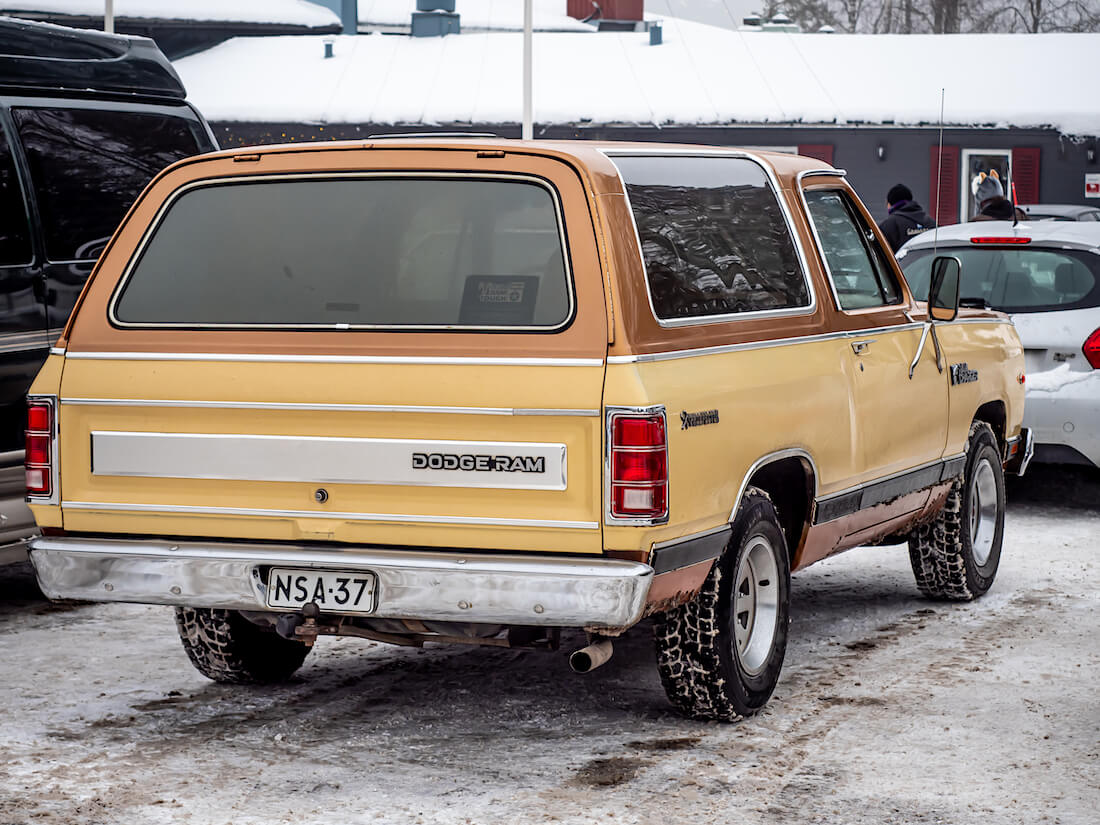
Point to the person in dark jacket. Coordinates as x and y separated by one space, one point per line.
905 217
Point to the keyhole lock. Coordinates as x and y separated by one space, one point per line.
321 495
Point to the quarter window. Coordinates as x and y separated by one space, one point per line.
15 239
856 263
89 166
714 238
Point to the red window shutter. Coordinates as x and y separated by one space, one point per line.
579 9
947 163
1025 174
821 151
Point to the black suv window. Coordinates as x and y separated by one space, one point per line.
856 262
89 166
15 241
355 251
714 239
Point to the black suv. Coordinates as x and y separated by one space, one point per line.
86 120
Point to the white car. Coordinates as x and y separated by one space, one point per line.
1046 275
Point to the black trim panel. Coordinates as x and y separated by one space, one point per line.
689 552
881 492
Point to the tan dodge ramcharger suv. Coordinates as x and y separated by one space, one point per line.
476 391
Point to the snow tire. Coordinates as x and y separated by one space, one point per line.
226 647
955 557
715 663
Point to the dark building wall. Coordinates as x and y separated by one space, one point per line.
907 154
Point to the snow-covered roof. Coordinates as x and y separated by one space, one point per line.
285 12
475 15
699 75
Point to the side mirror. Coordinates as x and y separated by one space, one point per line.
943 292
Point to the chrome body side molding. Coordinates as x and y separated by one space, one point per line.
325 515
295 407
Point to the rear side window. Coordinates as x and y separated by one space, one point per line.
15 239
89 165
714 238
427 252
1031 279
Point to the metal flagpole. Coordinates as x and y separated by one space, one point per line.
528 131
109 16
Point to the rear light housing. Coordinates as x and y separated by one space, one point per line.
40 459
1091 349
636 468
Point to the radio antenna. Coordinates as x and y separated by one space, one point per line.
939 177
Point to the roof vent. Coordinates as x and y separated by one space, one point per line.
434 18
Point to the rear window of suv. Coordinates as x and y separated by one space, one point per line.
1014 279
714 238
364 251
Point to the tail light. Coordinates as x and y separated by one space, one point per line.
1091 349
40 461
1002 240
637 465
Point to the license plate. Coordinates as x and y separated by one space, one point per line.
332 591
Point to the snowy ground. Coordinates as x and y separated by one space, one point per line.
891 709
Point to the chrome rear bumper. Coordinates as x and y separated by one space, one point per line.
412 584
1021 451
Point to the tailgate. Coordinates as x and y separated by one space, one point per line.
446 455
409 358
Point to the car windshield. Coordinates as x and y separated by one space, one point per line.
1031 279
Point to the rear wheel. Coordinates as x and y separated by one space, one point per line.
226 647
956 556
720 655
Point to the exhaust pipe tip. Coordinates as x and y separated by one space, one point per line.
589 658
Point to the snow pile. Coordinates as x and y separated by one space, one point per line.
1058 378
502 15
701 74
287 12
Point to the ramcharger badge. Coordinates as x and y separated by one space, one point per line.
479 463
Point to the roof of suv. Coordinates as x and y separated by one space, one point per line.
1050 233
46 58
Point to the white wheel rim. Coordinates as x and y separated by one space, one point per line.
755 605
983 511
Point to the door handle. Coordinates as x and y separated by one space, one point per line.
859 347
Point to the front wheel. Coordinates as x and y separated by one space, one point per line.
955 557
720 654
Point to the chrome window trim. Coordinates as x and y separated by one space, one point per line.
57 350
771 458
123 507
314 407
55 455
904 286
777 190
337 359
610 411
648 357
162 211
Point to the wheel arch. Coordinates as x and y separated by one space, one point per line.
995 414
789 477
